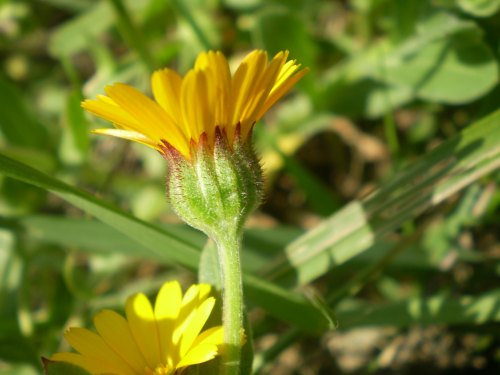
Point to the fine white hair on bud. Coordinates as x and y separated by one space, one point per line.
218 188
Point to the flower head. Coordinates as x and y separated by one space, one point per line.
201 124
150 341
206 98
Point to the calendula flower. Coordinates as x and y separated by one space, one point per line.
163 340
205 99
202 124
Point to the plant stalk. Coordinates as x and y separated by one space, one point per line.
228 247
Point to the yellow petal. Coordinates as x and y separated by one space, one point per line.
93 348
168 301
203 291
287 70
154 122
198 354
166 85
205 98
219 86
108 110
115 331
202 60
260 93
195 104
130 135
167 307
196 325
245 78
192 299
142 325
214 335
280 90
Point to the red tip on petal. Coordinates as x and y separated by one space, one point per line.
170 153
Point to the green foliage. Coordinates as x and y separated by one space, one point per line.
381 172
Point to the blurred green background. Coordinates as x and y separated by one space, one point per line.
376 249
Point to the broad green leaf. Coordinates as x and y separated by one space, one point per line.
479 8
432 26
366 97
363 85
453 70
450 167
169 245
438 309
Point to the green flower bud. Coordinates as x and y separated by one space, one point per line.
219 187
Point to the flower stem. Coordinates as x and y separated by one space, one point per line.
228 247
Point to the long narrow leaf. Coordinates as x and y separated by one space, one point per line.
163 244
455 164
433 310
168 245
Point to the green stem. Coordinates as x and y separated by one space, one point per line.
228 247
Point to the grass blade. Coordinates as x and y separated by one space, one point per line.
455 164
437 309
168 245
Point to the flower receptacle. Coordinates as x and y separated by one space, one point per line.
218 187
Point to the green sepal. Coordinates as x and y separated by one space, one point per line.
218 188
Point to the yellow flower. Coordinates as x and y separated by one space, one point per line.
206 98
160 341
